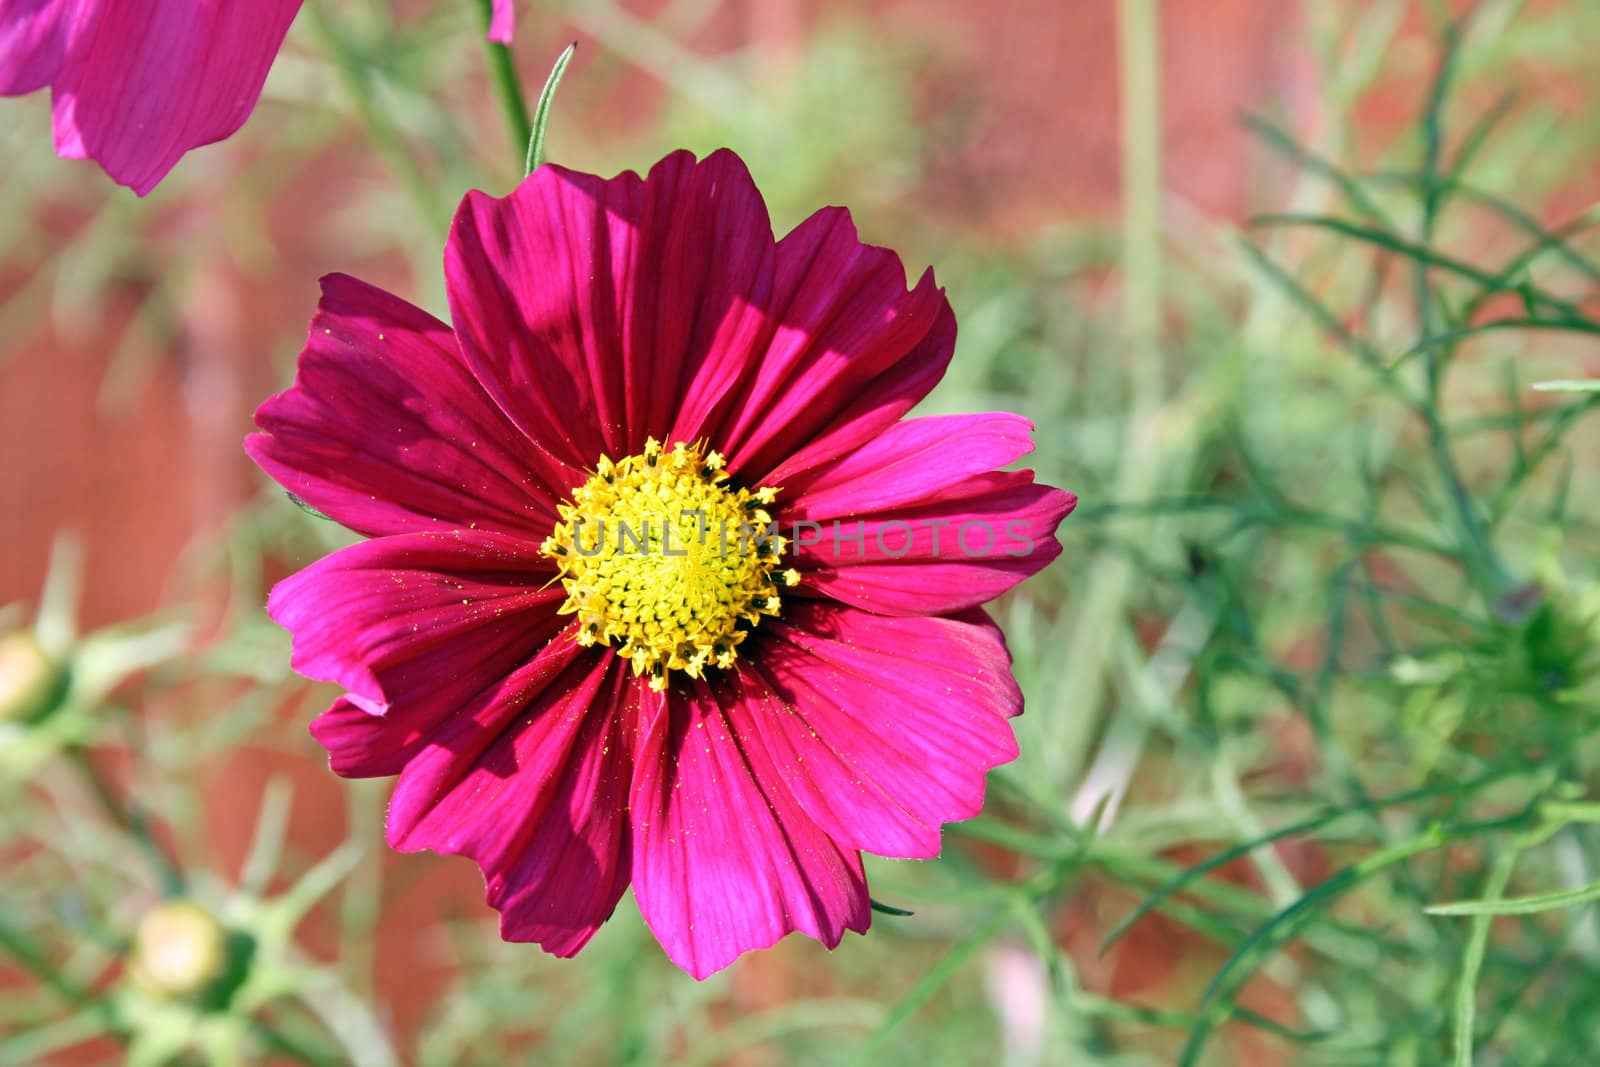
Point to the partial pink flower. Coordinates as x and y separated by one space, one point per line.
725 728
504 22
137 83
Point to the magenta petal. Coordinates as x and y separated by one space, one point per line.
573 864
425 619
531 781
503 25
909 462
851 350
152 79
34 38
883 727
510 738
362 744
386 431
586 306
963 545
724 858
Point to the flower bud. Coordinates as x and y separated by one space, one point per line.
28 677
179 951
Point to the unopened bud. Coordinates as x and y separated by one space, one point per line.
179 950
28 677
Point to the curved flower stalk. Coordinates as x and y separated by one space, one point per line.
137 83
662 588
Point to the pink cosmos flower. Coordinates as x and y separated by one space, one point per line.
724 727
137 83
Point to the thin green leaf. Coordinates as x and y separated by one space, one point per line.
1432 196
37 1045
1325 317
1574 325
1478 136
307 508
1530 905
1297 829
266 844
1419 252
1466 1009
1555 241
1216 1001
1569 385
888 909
1281 142
314 884
1433 127
541 110
932 981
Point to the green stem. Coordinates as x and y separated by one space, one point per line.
508 87
1488 571
1217 1001
130 818
1484 562
1145 462
1466 999
1139 64
932 980
385 135
281 1042
32 959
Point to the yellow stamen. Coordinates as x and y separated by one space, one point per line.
662 557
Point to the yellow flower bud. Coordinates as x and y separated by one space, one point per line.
28 677
179 951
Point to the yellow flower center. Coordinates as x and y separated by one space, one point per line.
661 556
